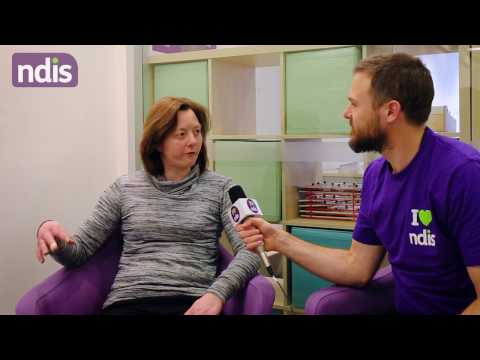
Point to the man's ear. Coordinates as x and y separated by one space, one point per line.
392 110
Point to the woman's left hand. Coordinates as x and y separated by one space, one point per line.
208 304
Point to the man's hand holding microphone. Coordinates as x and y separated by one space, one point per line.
252 228
255 232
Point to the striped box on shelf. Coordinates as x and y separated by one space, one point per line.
330 200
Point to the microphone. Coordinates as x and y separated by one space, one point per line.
243 208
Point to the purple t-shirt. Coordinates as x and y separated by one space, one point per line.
427 217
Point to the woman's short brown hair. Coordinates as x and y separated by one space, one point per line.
161 121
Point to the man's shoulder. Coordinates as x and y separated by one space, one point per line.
375 167
446 143
451 155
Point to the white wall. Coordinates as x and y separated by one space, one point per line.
444 69
267 100
59 149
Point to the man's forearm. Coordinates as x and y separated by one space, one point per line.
473 308
335 265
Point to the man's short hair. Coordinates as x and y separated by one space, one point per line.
401 77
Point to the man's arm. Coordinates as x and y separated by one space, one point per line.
474 307
353 267
464 221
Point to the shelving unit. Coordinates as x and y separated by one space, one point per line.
239 104
321 224
260 94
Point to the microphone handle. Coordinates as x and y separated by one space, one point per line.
263 255
261 252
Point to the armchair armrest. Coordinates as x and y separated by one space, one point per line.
76 291
377 297
256 298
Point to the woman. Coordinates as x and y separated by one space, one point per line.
171 216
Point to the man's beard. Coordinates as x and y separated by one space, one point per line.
373 140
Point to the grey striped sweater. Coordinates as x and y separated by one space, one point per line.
170 231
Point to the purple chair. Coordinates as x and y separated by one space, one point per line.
377 297
83 290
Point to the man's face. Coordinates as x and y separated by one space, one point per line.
367 133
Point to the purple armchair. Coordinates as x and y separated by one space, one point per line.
82 291
377 297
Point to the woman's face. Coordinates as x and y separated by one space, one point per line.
180 149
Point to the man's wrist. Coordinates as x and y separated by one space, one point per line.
281 241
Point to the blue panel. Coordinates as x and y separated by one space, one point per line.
304 283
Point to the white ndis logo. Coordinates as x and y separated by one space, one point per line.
425 238
44 70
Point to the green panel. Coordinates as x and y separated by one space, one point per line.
316 90
255 166
304 283
188 80
147 89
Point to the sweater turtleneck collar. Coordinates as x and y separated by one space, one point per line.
176 187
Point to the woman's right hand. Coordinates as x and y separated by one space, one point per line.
50 238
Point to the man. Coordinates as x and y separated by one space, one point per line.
419 200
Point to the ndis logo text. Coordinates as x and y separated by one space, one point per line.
44 70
